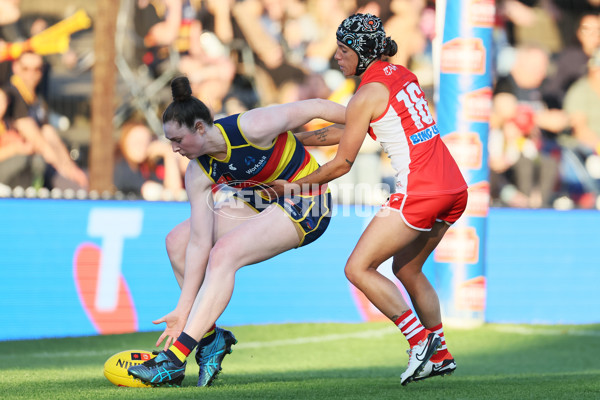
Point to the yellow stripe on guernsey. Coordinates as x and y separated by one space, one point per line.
227 142
308 169
178 352
286 156
227 157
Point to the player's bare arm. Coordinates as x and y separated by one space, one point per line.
364 106
262 125
198 187
327 136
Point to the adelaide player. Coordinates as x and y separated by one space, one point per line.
243 151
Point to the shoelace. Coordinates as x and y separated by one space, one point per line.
409 352
150 363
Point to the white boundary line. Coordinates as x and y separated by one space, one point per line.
368 334
373 333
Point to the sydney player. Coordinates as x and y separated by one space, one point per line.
430 192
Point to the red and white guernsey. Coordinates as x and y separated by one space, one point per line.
409 135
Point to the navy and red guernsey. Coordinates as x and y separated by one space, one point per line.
247 165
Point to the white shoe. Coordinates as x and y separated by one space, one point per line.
431 369
418 357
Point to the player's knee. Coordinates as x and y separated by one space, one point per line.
353 272
171 243
222 256
359 270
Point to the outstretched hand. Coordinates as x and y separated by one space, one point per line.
175 324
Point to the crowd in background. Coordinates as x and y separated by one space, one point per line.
544 140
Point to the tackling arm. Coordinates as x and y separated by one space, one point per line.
367 104
327 136
262 125
360 111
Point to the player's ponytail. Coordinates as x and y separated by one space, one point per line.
181 89
390 47
185 108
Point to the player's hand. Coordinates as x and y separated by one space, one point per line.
279 188
175 324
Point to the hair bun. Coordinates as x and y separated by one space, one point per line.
181 89
391 47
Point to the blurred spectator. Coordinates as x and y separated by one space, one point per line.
582 103
28 115
146 167
532 21
414 21
204 59
15 152
405 23
215 17
571 62
207 63
570 16
9 11
524 154
262 22
158 24
9 15
326 16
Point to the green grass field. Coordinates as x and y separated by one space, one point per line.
325 361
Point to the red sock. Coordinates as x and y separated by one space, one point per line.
411 328
442 352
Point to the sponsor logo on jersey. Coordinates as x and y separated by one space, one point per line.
231 167
424 135
292 209
258 165
226 179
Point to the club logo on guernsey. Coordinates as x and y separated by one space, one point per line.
257 165
389 69
424 135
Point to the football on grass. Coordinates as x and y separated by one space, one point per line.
115 368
